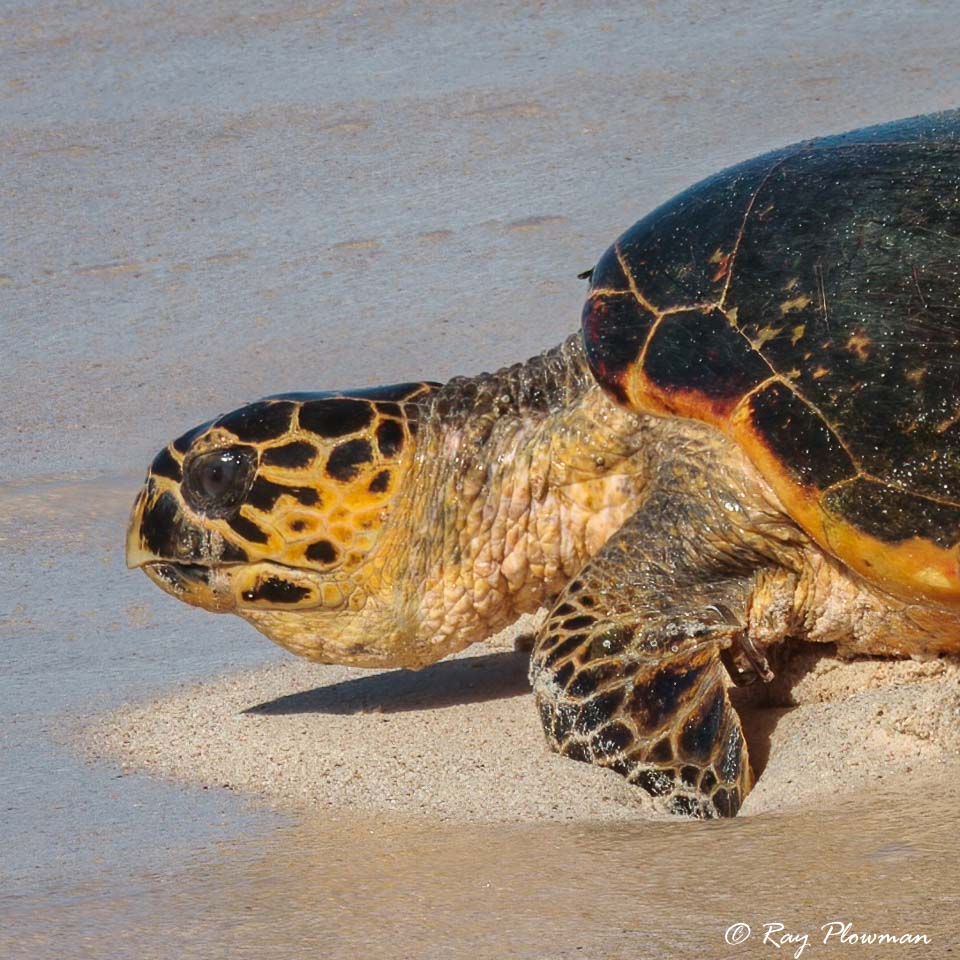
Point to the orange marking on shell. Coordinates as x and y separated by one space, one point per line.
797 303
860 345
944 425
764 335
722 261
913 569
692 404
802 503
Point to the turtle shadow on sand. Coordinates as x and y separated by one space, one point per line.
762 706
495 676
759 720
492 676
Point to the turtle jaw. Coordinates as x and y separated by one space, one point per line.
193 583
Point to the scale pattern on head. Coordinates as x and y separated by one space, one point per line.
806 304
301 482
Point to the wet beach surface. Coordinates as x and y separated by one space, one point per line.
206 204
391 888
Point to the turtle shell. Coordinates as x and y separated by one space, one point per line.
807 303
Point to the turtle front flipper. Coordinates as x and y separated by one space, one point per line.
627 668
609 696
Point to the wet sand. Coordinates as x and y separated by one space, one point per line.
342 888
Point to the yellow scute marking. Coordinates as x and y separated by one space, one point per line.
860 345
949 422
722 262
765 335
914 569
797 303
934 578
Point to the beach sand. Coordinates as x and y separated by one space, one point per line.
460 741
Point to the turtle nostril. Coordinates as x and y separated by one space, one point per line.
191 542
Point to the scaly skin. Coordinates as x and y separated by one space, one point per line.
504 489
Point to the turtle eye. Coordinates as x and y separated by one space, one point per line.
217 474
216 482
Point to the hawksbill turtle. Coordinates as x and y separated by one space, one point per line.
755 436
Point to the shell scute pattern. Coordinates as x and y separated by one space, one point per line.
805 303
798 437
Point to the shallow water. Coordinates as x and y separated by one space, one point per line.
202 204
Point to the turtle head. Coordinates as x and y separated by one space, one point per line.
283 512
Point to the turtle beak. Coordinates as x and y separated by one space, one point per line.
156 537
137 554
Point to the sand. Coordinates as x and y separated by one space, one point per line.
460 741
